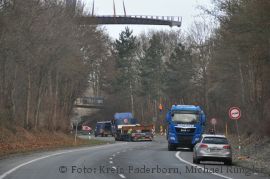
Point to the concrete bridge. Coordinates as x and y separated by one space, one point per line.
89 102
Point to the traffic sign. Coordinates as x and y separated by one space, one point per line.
160 108
86 128
234 113
213 121
125 121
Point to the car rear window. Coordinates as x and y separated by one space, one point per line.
215 140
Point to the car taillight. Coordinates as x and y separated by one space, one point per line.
226 147
203 146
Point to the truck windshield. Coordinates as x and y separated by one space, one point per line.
125 121
100 125
185 118
108 126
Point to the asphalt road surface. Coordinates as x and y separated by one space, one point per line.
106 139
120 160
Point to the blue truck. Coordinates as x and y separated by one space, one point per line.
121 120
186 124
103 129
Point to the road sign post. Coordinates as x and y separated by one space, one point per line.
214 122
76 133
235 114
226 129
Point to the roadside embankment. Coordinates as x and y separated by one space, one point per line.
254 153
23 141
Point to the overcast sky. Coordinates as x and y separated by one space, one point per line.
185 8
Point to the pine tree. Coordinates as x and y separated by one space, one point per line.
126 66
179 74
152 69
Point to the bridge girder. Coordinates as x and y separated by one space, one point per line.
133 20
88 106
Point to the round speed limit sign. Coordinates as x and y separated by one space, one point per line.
213 121
235 113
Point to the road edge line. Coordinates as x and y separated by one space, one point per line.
5 174
122 176
177 155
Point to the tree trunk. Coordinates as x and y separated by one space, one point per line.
131 98
241 83
28 99
13 89
39 98
37 111
55 102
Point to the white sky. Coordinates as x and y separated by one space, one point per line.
185 8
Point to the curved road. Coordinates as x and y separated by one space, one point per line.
120 160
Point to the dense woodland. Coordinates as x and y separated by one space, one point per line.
214 66
47 61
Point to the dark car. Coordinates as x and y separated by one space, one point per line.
103 129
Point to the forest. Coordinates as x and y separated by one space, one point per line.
47 61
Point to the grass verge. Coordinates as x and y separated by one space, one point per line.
23 141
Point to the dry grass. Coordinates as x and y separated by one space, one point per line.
24 141
255 152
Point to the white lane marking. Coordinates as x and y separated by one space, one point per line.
118 152
111 162
177 155
110 158
48 156
122 176
113 155
26 163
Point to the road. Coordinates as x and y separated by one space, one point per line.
119 160
106 139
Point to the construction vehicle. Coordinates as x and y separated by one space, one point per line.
139 133
121 120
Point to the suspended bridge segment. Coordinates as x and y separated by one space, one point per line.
131 20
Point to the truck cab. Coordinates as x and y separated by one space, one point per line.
103 129
121 120
185 126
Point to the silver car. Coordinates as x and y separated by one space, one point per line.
212 148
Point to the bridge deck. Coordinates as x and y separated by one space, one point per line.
138 20
89 106
89 102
